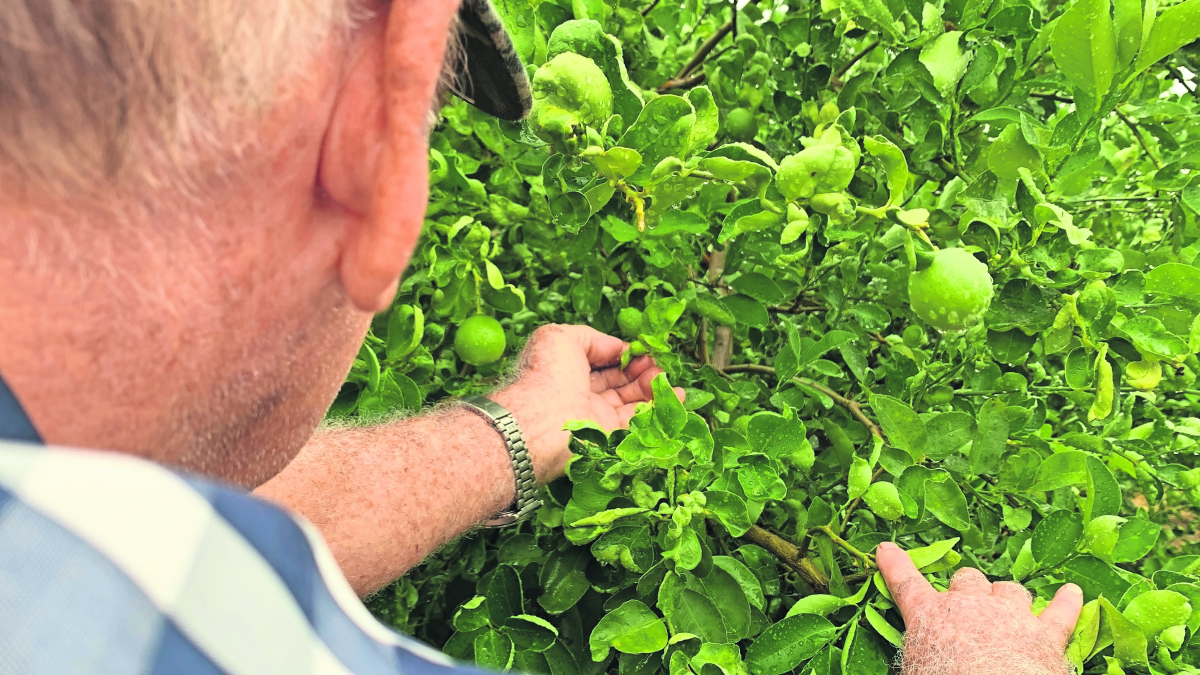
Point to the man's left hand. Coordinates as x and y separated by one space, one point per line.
572 373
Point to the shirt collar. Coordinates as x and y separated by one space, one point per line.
15 425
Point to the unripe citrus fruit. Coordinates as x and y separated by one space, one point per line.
741 125
629 320
479 340
953 292
815 170
570 89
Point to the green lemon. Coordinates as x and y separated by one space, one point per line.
570 90
629 320
816 170
953 292
741 125
479 340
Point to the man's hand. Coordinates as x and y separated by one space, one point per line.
977 627
572 373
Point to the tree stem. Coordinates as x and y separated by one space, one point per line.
853 406
787 553
1141 141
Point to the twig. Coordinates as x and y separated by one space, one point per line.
1179 78
1052 97
837 77
686 83
723 339
1121 199
704 50
1138 135
704 360
797 309
790 556
867 559
854 504
849 404
650 8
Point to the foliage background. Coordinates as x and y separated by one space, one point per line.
1054 441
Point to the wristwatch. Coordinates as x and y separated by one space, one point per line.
526 501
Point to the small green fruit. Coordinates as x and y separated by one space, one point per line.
815 170
569 92
953 292
629 320
740 125
479 340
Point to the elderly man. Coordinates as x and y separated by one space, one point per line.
204 202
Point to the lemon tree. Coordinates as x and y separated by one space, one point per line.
942 291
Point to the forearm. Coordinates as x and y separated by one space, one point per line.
386 496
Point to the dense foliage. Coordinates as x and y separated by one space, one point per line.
928 271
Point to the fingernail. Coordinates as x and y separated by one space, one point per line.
885 546
1072 588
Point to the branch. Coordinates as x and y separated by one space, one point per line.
1138 135
703 51
650 8
787 552
866 559
854 504
853 406
685 83
837 77
1052 97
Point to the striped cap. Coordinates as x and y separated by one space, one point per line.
491 76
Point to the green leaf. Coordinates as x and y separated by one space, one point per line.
1129 642
1095 577
1175 27
631 628
788 643
1103 490
708 120
760 479
493 650
504 595
668 409
1127 27
531 633
1060 470
1084 47
947 503
946 61
991 438
859 479
1156 611
663 129
730 509
895 168
926 556
1011 152
883 628
750 584
1175 280
696 613
904 429
587 38
1055 538
1135 540
776 436
563 576
731 602
406 327
948 433
759 286
519 23
884 501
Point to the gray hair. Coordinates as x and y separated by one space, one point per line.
107 92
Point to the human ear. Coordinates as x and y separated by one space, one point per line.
374 159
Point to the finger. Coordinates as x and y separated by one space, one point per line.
1060 616
639 389
681 394
1013 594
601 350
625 413
970 580
907 586
608 378
638 365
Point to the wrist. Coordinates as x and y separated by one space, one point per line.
493 458
543 432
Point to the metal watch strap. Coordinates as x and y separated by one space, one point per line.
526 501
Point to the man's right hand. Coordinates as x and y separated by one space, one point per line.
977 627
572 373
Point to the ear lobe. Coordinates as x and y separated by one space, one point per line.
383 143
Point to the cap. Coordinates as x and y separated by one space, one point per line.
490 76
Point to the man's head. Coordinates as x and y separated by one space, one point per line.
204 201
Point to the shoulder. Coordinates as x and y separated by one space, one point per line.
152 565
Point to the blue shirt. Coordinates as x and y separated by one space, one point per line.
111 564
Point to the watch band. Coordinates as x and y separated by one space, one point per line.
526 500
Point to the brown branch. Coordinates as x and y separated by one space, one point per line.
723 340
866 559
1138 135
853 406
685 83
704 50
837 77
790 556
704 358
1052 97
650 8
